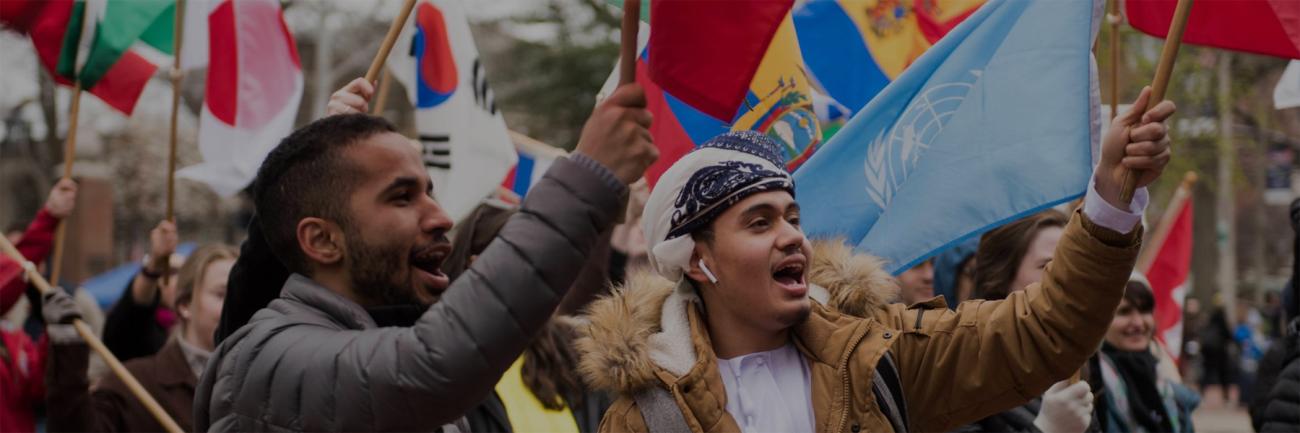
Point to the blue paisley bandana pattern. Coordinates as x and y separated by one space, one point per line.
715 188
751 142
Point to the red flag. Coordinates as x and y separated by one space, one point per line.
1168 276
706 52
46 22
1270 27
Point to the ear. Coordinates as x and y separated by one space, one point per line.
321 241
695 273
183 310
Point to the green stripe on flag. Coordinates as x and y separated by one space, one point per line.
123 23
67 66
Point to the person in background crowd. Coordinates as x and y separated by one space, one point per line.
542 390
354 341
1274 316
169 375
917 284
140 321
1011 257
22 360
1219 360
1133 395
1251 349
1008 260
954 272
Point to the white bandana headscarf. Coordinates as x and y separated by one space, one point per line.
702 185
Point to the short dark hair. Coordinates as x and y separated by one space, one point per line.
307 176
1139 296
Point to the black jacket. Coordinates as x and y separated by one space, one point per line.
1281 411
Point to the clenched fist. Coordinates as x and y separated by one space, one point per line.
617 134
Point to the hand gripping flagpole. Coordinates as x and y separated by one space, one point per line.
89 337
628 54
395 29
1163 70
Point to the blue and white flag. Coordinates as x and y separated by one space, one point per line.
994 122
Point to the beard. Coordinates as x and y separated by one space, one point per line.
382 274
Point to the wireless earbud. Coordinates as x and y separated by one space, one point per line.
712 279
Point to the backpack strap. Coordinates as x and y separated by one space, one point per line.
889 392
660 412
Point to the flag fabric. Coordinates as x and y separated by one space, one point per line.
56 30
777 97
993 122
110 29
1287 93
463 137
1269 27
1168 274
534 158
853 48
703 66
254 87
785 97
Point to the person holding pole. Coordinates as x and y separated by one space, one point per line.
169 376
22 361
715 346
354 343
141 319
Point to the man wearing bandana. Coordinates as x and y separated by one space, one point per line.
748 326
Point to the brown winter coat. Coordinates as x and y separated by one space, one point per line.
955 366
72 406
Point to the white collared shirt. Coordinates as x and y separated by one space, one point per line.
769 391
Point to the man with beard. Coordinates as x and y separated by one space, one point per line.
749 327
355 342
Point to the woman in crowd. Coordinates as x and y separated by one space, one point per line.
1133 395
1008 259
169 375
542 390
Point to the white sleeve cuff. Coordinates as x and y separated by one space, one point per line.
1103 214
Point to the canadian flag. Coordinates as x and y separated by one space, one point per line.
254 87
1168 272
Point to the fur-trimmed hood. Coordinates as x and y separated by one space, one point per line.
643 324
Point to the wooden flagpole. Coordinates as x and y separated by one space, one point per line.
1164 69
89 336
69 155
1114 19
627 50
176 74
1150 249
381 95
377 65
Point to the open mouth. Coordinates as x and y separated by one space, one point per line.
428 261
789 274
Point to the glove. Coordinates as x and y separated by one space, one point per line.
1066 408
59 311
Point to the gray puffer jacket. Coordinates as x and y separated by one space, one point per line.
316 361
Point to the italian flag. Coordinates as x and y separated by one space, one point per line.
111 47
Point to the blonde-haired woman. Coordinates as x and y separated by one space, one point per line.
169 375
